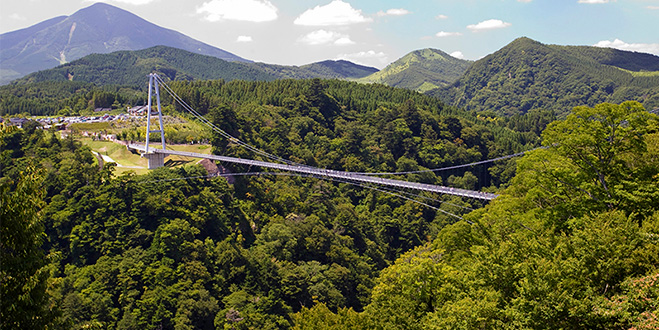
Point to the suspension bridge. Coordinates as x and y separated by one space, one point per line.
156 157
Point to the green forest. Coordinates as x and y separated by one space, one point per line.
572 242
527 74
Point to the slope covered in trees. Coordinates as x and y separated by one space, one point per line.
174 249
65 98
570 244
131 68
527 75
421 70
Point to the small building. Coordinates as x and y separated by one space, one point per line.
138 110
18 122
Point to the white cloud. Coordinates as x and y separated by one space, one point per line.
593 1
16 16
652 7
336 12
524 0
323 37
441 16
364 58
238 10
619 44
394 12
490 24
244 39
443 34
344 41
458 54
130 2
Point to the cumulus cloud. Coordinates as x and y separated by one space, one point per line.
244 39
336 12
441 16
619 44
458 54
443 34
490 24
365 57
394 12
323 37
524 0
238 10
593 1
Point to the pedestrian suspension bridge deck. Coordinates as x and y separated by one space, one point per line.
156 159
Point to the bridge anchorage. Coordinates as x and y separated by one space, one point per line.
156 157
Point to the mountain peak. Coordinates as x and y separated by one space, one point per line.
526 75
103 11
99 28
421 70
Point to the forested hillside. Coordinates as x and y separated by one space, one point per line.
173 249
421 70
131 67
65 98
572 243
527 75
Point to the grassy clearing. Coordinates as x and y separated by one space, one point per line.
128 161
642 73
176 129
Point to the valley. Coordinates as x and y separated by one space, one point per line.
543 162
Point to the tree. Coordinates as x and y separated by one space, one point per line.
597 140
24 274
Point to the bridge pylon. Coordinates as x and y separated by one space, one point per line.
155 159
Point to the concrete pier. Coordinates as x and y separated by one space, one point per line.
155 160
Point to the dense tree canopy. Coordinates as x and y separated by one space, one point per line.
570 244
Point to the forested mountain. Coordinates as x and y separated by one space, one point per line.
173 249
421 70
99 28
337 69
325 69
527 75
131 68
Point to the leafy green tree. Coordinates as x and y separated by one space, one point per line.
24 273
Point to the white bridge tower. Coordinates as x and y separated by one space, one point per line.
155 159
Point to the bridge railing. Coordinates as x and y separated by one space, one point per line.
331 173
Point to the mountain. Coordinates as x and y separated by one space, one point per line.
99 28
421 70
338 69
131 68
326 69
527 74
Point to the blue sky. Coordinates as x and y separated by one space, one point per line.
376 33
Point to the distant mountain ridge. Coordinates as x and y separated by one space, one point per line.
421 70
527 74
132 67
99 28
